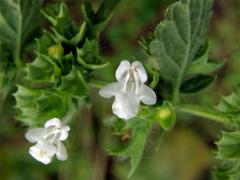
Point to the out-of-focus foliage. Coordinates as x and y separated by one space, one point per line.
18 21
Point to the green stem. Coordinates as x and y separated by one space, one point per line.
204 113
17 50
98 83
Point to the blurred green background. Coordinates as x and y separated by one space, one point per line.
185 153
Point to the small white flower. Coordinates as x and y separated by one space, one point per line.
43 151
129 90
48 141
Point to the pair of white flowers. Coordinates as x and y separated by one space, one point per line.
129 91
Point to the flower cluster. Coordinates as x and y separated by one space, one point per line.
48 141
129 90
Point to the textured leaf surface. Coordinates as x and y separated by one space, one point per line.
43 69
88 56
140 127
74 84
179 37
135 147
229 145
230 106
17 20
36 106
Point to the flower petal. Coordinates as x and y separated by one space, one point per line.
61 152
34 135
126 105
141 70
53 122
43 151
147 95
109 90
122 68
64 132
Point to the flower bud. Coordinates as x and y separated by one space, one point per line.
165 116
55 52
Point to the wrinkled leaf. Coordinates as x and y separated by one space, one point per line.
74 84
178 39
228 145
43 70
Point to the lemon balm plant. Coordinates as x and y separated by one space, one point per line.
50 72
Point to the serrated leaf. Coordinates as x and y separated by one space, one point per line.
140 127
88 56
229 106
74 84
43 70
178 38
97 20
228 145
52 104
229 170
36 105
202 65
135 147
63 27
44 42
196 84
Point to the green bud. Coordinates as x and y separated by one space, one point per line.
165 116
55 52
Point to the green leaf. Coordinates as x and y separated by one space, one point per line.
178 39
74 84
88 56
229 106
36 105
228 145
18 18
140 127
135 147
202 65
43 70
228 152
196 84
105 10
96 21
7 71
227 171
63 27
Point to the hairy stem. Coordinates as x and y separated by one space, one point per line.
207 113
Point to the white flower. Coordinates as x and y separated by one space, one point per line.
48 141
43 151
129 90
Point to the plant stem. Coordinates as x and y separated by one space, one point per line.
17 50
98 83
207 113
